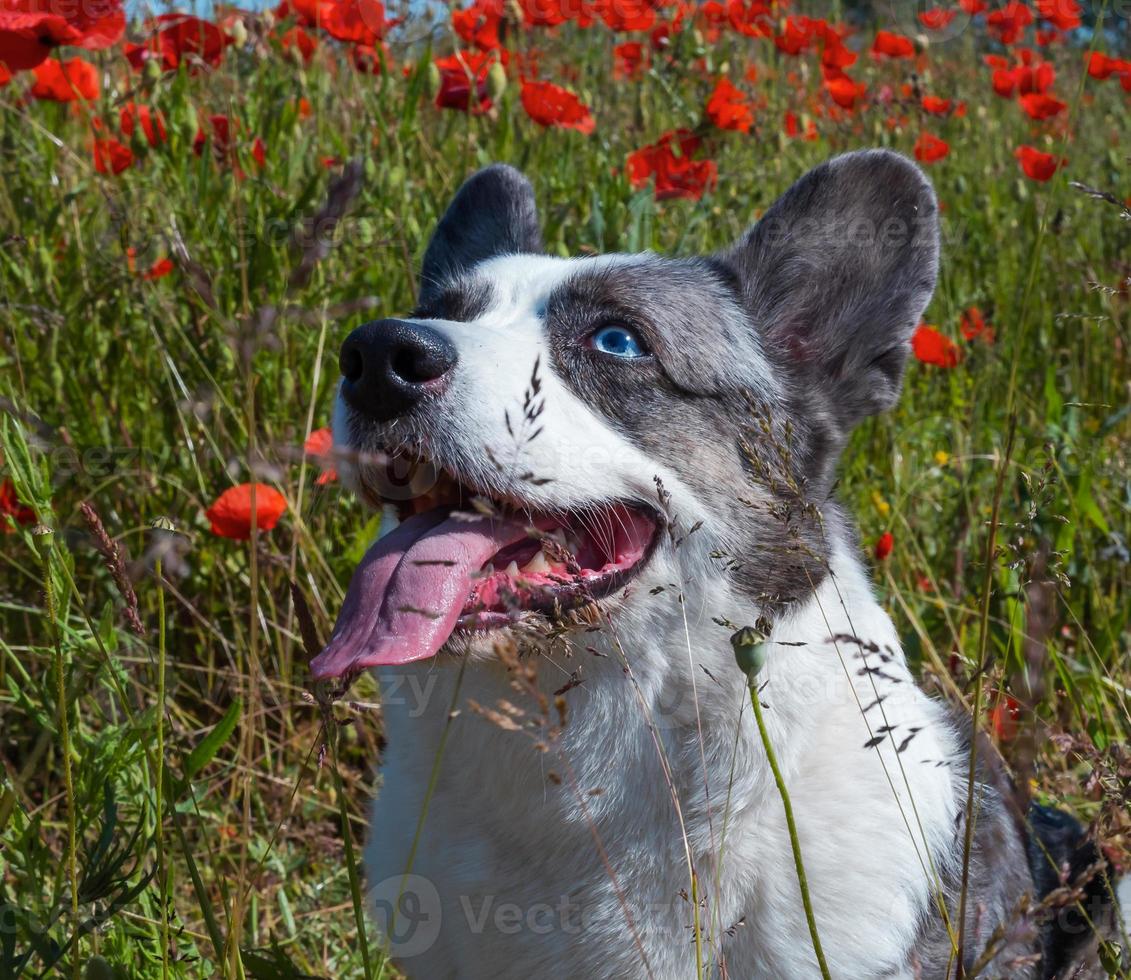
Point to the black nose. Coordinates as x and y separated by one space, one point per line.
389 365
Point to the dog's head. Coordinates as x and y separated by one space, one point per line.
587 431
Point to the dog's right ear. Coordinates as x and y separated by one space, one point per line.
836 275
493 213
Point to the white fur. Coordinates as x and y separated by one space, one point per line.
521 838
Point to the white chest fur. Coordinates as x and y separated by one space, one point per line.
573 861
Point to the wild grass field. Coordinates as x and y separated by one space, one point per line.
194 214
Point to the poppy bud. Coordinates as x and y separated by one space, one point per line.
1111 956
435 81
749 650
496 81
152 70
98 969
183 121
138 143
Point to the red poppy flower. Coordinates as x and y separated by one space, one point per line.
220 130
796 36
180 37
661 35
973 7
1023 79
463 81
1005 715
834 53
1009 23
111 157
1064 15
5 75
152 123
320 445
1037 105
792 126
973 326
12 509
800 34
231 513
728 108
890 45
159 269
930 149
65 81
31 29
1004 81
101 22
753 18
627 15
26 39
299 40
357 21
843 90
937 18
629 60
931 347
370 60
259 152
1100 66
478 25
551 105
553 13
1036 164
669 162
884 544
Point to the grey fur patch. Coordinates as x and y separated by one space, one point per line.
493 213
1009 934
463 299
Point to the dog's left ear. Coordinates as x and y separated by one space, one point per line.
493 213
837 273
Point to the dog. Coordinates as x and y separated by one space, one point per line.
626 459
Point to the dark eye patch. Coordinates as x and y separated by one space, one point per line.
591 300
461 300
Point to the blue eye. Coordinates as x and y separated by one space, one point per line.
618 341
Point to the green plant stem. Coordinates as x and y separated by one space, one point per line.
976 707
794 842
64 738
351 860
162 866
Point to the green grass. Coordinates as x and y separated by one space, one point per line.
178 771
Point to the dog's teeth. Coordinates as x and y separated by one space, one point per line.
559 535
538 563
512 569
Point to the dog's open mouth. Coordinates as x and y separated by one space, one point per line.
461 562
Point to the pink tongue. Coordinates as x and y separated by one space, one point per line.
409 590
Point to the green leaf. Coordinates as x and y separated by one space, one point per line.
206 751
